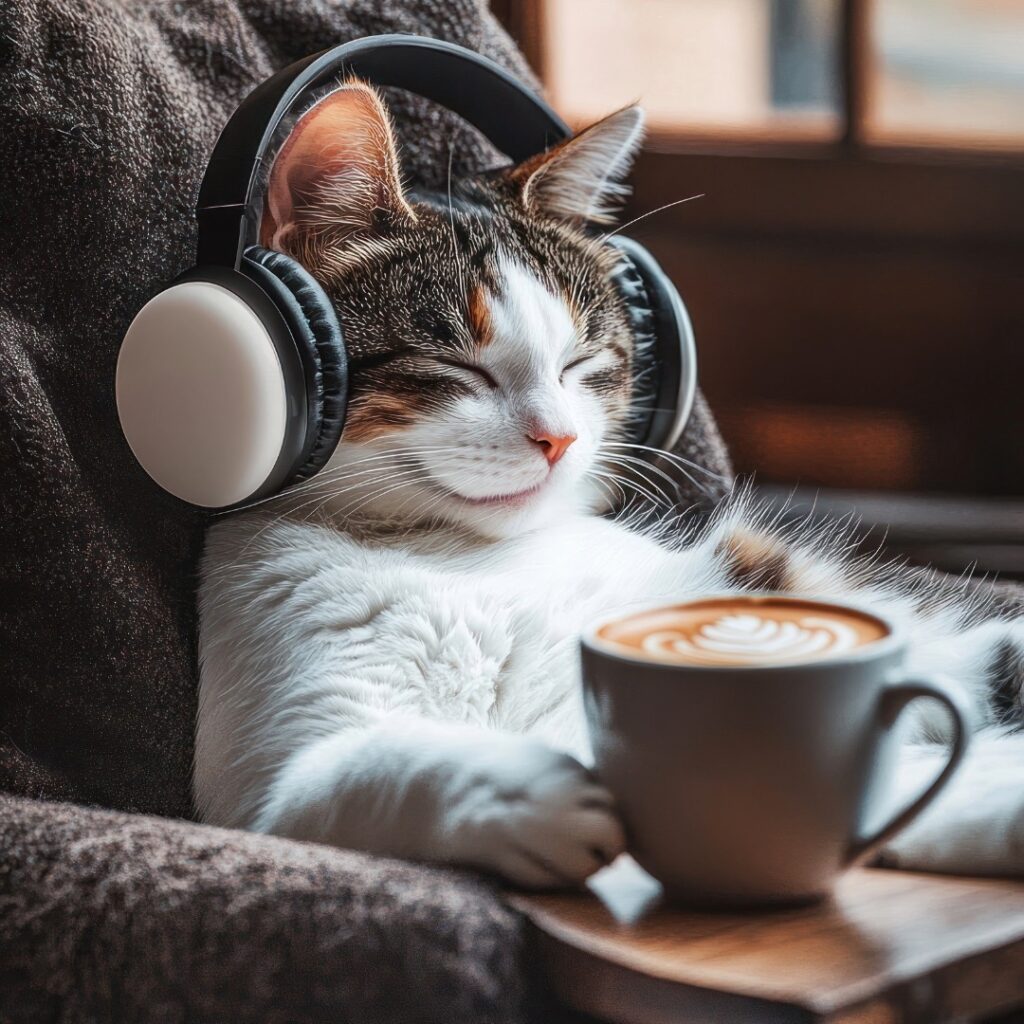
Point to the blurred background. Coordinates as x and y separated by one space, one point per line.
855 266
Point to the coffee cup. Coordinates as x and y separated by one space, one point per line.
750 741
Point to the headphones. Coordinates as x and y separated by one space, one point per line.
232 382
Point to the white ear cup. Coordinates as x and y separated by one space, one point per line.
201 394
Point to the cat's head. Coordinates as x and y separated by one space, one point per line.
491 357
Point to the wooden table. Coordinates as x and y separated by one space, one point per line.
891 947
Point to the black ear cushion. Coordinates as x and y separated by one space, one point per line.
652 304
314 325
631 285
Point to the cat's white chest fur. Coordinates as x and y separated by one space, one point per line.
316 648
480 632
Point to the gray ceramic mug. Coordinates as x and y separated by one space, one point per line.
756 784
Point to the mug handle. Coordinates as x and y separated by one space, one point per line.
894 700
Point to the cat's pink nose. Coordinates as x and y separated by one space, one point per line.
553 446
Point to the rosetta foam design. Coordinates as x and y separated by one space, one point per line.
750 638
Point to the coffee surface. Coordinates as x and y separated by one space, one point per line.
744 631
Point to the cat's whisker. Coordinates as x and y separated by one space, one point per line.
650 490
396 456
323 481
432 503
354 481
596 472
672 456
392 453
327 474
638 404
606 490
321 498
349 510
426 511
680 463
649 213
358 467
609 483
451 223
641 466
632 485
348 513
374 480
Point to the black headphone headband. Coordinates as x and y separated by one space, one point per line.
512 117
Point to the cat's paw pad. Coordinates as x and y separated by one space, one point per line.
538 818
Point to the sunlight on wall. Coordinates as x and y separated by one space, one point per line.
706 64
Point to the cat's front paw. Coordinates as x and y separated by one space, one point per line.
533 815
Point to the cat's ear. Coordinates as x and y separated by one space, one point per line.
581 179
337 173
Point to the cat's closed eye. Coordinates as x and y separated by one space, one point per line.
576 363
471 368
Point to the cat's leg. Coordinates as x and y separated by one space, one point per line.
451 794
976 825
373 726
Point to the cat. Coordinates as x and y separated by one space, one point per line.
388 651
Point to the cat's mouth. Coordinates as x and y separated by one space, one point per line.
507 499
512 499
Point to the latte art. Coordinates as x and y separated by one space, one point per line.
744 631
734 638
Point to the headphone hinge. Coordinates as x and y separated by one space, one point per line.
221 230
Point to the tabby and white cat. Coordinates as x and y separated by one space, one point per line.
388 651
